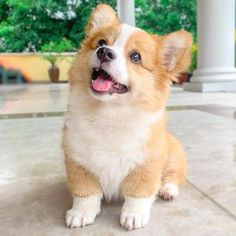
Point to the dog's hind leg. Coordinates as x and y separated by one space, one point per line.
174 171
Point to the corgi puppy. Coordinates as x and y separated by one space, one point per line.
115 139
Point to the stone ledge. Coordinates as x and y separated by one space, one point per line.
210 86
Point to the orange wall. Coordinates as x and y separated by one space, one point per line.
34 67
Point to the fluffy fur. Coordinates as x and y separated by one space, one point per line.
117 145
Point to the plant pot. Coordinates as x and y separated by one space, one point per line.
183 77
54 73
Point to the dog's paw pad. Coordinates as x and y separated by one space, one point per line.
132 221
168 191
76 219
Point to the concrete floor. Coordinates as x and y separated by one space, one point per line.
33 191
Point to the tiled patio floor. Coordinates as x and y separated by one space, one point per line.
33 191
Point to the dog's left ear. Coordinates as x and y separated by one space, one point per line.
101 16
175 51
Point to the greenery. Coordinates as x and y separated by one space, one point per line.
52 51
27 25
165 16
194 58
41 25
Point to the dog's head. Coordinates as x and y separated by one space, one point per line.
119 63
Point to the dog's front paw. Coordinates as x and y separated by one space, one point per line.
83 212
135 212
132 221
75 218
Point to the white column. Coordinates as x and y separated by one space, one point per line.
126 11
216 47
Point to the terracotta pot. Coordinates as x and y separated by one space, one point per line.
54 73
183 77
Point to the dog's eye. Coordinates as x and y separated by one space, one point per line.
135 57
102 42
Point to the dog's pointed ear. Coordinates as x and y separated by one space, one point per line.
101 16
175 51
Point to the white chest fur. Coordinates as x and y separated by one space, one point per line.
109 143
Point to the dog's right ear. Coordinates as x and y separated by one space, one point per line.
101 16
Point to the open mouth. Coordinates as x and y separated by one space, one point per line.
102 82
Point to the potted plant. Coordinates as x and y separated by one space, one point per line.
53 70
184 77
52 52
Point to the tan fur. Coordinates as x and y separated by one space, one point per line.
162 61
147 78
145 180
102 15
81 182
176 45
175 168
166 164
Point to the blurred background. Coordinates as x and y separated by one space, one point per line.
37 34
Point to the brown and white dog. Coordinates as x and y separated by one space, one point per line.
115 139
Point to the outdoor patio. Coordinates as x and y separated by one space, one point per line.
33 191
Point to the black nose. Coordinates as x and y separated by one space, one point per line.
105 54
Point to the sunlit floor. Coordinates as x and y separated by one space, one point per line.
33 191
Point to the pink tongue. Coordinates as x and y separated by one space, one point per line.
101 84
